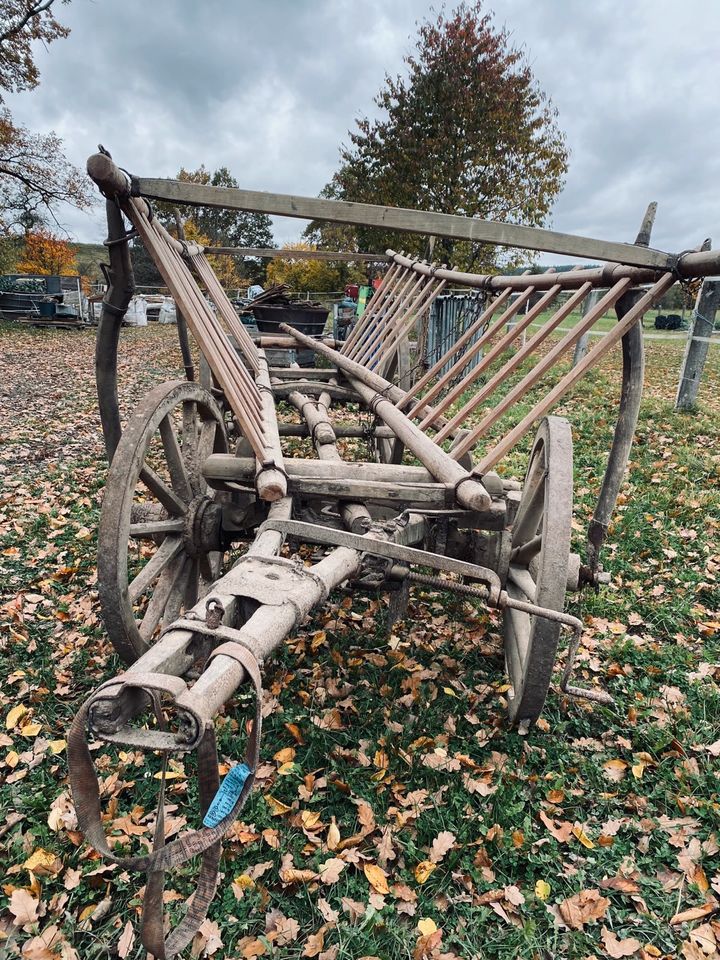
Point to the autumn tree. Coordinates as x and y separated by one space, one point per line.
303 275
47 255
224 228
34 173
465 130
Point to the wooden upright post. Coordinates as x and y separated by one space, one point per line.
697 344
582 344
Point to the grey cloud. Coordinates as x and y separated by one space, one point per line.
270 90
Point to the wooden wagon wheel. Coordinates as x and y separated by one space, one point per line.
159 543
539 568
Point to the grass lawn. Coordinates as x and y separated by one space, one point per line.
423 826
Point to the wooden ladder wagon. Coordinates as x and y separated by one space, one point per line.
202 465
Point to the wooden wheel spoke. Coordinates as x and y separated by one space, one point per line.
165 494
523 580
156 607
191 590
167 551
517 646
524 553
206 442
530 513
177 594
156 527
176 465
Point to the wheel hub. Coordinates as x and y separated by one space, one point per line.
203 523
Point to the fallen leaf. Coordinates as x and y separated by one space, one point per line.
23 907
376 877
582 908
293 875
615 770
14 716
426 926
441 845
583 837
314 944
619 948
562 831
276 806
44 863
127 940
423 870
695 913
330 870
542 889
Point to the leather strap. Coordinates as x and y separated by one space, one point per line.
205 841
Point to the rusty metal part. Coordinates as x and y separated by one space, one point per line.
388 550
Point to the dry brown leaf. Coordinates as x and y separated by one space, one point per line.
385 847
376 877
561 830
695 913
615 770
249 948
333 836
294 875
366 817
616 948
330 870
284 929
43 863
582 908
621 884
328 914
127 939
315 943
354 908
23 907
441 845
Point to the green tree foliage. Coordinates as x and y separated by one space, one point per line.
224 228
34 173
466 130
144 269
304 276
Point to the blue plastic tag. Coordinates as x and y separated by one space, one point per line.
227 795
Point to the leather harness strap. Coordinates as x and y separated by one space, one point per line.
205 841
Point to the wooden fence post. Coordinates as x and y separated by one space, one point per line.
582 344
698 342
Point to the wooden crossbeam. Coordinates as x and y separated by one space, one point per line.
402 219
272 253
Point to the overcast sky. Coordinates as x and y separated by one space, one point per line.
269 89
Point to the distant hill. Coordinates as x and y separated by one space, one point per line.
89 256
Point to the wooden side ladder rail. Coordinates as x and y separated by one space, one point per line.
570 379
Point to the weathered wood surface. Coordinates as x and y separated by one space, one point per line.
270 479
321 481
401 219
226 466
698 344
702 263
274 253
